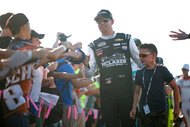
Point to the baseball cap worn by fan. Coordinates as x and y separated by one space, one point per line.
104 13
137 42
37 35
185 67
159 60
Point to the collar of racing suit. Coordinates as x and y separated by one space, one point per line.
109 37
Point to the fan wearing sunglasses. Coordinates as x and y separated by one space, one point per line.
150 84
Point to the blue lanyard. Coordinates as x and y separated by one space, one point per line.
149 84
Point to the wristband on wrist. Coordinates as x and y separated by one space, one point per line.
85 89
67 50
29 53
92 79
64 47
96 78
47 70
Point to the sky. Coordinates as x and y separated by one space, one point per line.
149 20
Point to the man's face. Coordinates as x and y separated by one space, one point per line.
36 41
185 72
104 24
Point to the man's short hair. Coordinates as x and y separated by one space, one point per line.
151 47
16 22
3 19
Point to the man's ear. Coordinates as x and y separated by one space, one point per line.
112 21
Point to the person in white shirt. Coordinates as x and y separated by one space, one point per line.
184 84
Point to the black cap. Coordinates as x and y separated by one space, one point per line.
35 34
137 42
159 60
104 13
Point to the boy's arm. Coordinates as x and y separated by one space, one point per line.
178 84
136 97
176 98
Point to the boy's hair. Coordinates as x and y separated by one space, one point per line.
151 47
3 20
16 22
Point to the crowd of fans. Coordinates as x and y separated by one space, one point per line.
62 86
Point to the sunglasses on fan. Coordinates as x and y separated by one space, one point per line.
143 55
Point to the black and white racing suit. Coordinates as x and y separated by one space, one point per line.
111 55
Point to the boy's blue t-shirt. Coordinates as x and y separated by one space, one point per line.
157 97
65 85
